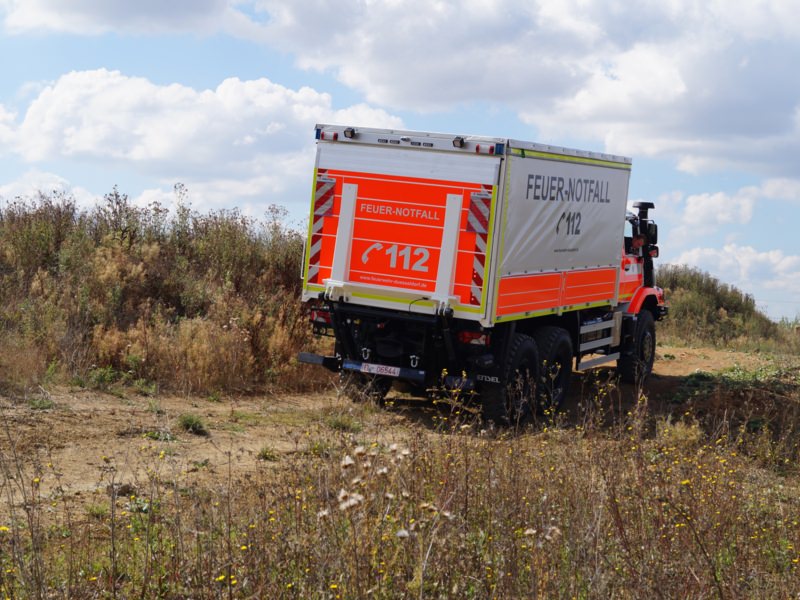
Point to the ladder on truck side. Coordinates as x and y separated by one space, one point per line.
611 331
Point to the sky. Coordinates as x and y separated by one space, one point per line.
222 96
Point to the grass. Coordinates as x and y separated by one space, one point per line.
698 498
690 502
193 424
344 422
41 402
159 435
98 512
268 454
648 506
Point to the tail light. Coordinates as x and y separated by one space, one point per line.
475 338
321 317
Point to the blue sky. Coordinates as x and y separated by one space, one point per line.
222 96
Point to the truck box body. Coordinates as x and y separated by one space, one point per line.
494 230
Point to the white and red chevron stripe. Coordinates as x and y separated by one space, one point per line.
480 206
323 207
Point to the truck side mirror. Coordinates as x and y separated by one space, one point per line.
652 232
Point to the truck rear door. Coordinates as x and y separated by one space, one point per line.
403 221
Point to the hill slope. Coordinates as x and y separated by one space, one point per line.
706 311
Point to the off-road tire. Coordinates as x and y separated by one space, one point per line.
636 362
511 403
555 371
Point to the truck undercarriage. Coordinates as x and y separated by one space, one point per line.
438 355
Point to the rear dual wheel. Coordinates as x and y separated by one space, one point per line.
555 351
512 403
537 375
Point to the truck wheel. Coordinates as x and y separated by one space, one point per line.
511 403
364 388
555 352
636 362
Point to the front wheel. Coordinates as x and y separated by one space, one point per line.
637 359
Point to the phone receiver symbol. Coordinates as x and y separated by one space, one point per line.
365 256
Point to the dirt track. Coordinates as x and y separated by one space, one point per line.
87 437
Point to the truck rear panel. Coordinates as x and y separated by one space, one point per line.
401 228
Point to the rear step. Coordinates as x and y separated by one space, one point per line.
593 362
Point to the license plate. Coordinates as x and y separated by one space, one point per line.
373 369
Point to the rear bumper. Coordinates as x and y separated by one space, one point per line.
329 362
332 363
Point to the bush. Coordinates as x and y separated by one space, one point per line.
704 310
187 301
192 424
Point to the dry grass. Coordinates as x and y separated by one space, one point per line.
643 506
188 302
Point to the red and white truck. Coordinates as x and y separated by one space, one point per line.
480 264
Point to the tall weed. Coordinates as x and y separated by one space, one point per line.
193 302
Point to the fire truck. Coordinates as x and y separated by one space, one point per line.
479 265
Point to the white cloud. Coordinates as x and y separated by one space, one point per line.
711 211
772 277
33 182
92 17
431 55
702 84
154 196
109 116
243 139
706 213
782 189
758 19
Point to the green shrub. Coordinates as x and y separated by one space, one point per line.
192 424
267 454
703 310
